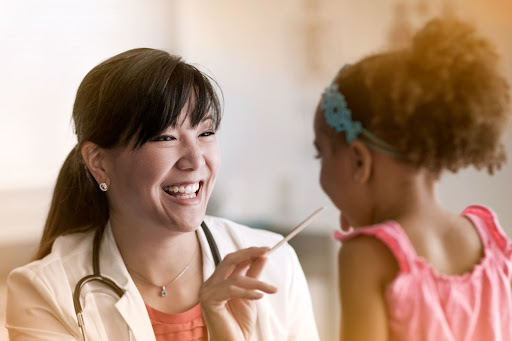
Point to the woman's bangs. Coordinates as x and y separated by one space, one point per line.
164 103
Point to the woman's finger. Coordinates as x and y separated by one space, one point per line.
236 287
233 260
241 268
256 267
251 283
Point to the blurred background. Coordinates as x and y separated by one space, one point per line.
271 58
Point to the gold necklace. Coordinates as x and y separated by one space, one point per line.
163 291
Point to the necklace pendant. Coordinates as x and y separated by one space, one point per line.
163 293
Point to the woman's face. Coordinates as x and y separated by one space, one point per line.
167 182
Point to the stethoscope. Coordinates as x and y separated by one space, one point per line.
97 276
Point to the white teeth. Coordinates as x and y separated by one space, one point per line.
188 189
185 196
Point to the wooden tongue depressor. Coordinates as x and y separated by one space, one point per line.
296 230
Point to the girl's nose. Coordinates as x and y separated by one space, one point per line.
192 157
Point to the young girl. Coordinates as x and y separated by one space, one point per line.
386 128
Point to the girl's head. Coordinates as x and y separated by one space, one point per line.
438 104
122 105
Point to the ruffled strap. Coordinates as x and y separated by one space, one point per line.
492 234
391 234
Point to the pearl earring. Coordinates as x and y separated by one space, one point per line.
103 187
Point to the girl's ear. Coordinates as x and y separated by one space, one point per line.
362 162
96 160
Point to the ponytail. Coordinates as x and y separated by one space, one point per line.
77 204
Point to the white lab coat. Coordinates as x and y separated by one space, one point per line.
40 304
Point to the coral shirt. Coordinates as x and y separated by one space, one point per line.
424 305
186 326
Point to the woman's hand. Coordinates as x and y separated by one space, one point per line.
227 297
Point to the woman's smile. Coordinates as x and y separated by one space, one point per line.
185 193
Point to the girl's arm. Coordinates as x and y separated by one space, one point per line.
366 267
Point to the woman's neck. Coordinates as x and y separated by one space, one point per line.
158 257
154 253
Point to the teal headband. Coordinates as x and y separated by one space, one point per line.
339 117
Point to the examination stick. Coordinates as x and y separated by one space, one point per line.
296 230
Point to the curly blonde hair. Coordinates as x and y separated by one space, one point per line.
441 102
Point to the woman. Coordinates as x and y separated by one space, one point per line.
128 206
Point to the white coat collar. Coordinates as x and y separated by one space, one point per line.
131 306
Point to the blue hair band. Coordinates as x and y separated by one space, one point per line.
339 117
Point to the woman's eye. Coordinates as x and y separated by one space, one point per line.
208 133
318 156
163 138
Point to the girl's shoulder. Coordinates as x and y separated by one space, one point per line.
390 235
369 258
488 226
386 239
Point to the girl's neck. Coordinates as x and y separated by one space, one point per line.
406 194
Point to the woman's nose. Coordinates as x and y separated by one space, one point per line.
192 157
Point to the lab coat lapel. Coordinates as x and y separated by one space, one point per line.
131 305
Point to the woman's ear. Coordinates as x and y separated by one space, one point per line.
362 162
96 159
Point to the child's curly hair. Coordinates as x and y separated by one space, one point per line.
441 102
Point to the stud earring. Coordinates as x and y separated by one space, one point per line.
103 187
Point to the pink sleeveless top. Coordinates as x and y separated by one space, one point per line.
424 305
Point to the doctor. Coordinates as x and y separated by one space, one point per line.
127 247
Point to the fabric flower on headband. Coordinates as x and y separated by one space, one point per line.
338 115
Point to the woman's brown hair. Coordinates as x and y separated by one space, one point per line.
129 98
